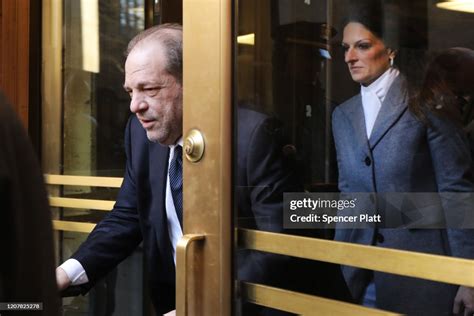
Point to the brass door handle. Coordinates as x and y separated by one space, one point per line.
194 145
181 268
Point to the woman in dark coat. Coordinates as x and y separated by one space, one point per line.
382 147
26 239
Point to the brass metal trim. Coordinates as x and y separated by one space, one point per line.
303 304
52 84
101 205
207 105
181 268
73 226
407 263
109 182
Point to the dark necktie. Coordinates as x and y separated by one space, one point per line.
176 182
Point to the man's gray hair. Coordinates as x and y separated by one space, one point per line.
171 37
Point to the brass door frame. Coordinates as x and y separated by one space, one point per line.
207 183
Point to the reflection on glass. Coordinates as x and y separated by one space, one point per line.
90 38
284 75
294 74
131 14
95 108
282 136
157 12
447 93
92 116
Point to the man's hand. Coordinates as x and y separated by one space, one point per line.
62 279
464 299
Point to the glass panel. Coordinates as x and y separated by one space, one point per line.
291 74
95 106
83 129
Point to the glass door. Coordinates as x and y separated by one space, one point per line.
240 59
261 81
84 112
235 79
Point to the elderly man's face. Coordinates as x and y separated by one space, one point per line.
156 96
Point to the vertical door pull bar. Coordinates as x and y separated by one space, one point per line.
181 274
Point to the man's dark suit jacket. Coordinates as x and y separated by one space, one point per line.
263 173
139 213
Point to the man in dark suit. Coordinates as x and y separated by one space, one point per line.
263 173
149 205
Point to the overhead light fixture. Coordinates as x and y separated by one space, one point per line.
247 39
457 5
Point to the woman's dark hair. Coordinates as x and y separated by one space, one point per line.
371 14
447 86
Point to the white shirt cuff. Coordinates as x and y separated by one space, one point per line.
75 271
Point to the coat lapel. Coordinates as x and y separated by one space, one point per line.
355 113
393 107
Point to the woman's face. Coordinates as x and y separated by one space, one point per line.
365 54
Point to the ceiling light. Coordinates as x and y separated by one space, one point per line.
247 39
457 5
